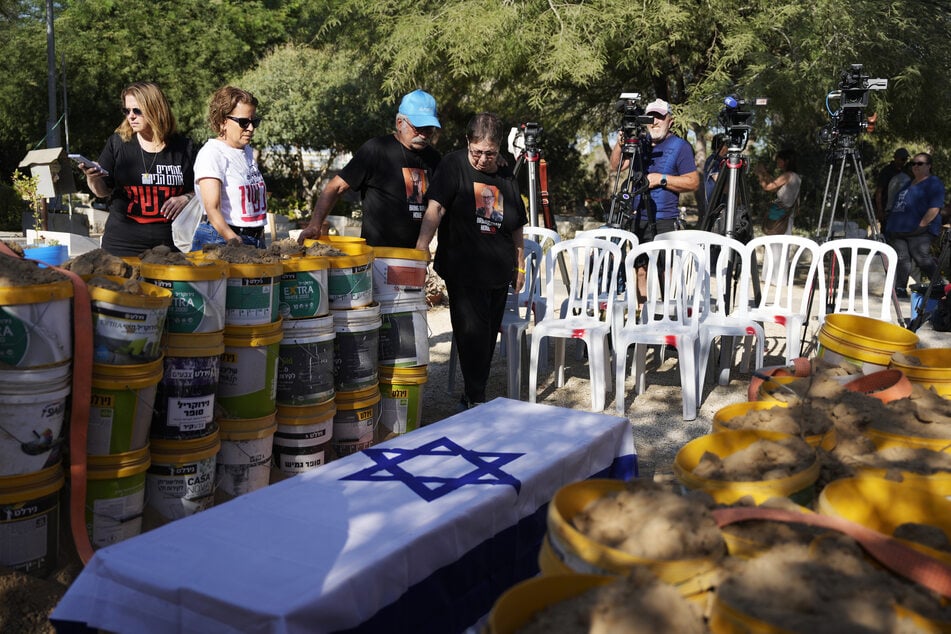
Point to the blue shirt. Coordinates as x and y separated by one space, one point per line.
913 202
672 156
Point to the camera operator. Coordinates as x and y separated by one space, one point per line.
392 173
671 170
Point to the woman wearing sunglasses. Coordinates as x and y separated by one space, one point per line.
145 171
226 175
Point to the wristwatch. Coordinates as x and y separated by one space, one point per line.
663 180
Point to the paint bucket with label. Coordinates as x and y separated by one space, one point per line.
302 439
356 420
181 479
247 384
404 333
244 460
36 324
399 274
356 347
253 294
350 278
128 326
32 414
304 288
401 390
115 496
185 400
121 406
29 520
305 369
198 293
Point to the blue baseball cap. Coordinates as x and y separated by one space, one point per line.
420 108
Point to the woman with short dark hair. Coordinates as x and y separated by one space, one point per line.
779 216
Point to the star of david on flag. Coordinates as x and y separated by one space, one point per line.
393 464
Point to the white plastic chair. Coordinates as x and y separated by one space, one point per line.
728 308
858 276
670 315
782 275
621 237
592 267
546 238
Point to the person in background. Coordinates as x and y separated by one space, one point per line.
712 166
779 217
479 255
146 172
392 173
914 223
229 182
882 180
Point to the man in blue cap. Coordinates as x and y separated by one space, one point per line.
392 173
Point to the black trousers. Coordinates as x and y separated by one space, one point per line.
476 316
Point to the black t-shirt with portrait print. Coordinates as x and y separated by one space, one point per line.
476 247
392 182
141 182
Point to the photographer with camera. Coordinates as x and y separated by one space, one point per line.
392 173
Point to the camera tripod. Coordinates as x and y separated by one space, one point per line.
531 156
944 263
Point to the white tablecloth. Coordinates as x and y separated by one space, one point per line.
417 534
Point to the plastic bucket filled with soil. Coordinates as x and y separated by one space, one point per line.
181 479
928 367
115 496
356 420
247 383
305 369
865 342
198 293
399 274
36 324
253 295
356 347
244 459
303 292
122 405
404 333
29 520
32 414
303 438
401 390
128 320
185 399
758 465
350 277
753 415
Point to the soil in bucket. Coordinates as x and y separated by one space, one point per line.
244 460
185 399
121 407
404 333
253 294
32 414
356 420
198 293
247 384
115 496
303 292
302 439
305 369
401 391
29 520
350 277
181 479
399 274
356 348
128 319
36 324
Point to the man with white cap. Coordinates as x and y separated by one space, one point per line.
392 173
672 170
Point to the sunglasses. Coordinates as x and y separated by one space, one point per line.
244 122
917 163
127 111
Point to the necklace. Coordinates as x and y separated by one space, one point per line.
147 174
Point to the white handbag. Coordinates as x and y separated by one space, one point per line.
186 223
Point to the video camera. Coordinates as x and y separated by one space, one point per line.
633 119
735 119
849 120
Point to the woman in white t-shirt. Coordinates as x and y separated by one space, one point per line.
779 216
226 175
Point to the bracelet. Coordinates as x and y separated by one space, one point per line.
520 270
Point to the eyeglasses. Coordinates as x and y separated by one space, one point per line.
487 154
916 163
426 129
136 111
244 122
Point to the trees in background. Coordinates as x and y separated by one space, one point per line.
329 74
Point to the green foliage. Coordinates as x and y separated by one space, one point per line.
11 209
26 188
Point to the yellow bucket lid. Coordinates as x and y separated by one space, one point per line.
19 488
247 428
358 399
397 253
306 414
165 450
302 263
414 375
194 344
152 296
200 270
254 335
118 465
35 293
135 376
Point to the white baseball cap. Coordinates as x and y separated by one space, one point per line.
659 106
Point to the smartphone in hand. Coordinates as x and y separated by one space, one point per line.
79 159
